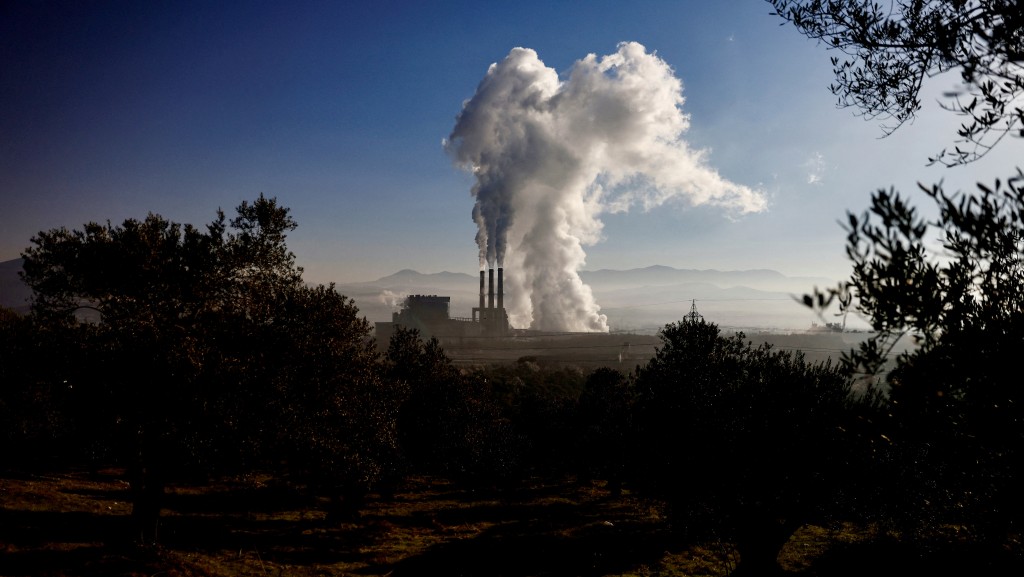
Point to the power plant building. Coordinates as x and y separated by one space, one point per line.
431 315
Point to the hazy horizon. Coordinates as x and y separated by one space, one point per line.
633 301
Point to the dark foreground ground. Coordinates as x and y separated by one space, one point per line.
74 523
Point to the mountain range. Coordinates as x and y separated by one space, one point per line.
635 300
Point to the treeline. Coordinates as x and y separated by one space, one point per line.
181 353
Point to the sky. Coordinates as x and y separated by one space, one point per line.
342 112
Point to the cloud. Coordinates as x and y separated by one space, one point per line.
551 154
815 167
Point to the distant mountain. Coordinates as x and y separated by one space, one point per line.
409 277
657 275
663 274
14 293
610 279
641 299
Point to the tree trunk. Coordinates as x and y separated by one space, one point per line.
147 488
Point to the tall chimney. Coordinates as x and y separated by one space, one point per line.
490 288
481 292
501 288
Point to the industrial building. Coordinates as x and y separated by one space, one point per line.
431 315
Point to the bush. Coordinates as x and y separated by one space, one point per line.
743 443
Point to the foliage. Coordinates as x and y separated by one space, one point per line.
335 415
541 401
211 353
891 48
956 400
604 421
34 401
745 443
417 362
449 423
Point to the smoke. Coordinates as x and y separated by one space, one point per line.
391 299
551 154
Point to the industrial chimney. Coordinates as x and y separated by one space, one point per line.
490 288
481 292
501 289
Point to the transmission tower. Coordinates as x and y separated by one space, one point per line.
693 316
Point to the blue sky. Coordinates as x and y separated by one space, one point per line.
111 110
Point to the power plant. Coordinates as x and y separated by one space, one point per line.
487 337
431 315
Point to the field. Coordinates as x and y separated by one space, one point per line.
76 523
624 351
583 350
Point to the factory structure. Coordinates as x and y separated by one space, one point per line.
431 315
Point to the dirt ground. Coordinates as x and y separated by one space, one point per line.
77 523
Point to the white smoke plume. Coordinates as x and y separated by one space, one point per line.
392 299
551 154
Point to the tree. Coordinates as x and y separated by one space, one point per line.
604 410
744 444
448 423
315 373
541 400
427 428
35 412
956 400
199 339
892 47
151 283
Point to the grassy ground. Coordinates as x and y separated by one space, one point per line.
76 524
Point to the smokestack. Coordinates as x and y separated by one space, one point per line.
481 292
501 288
490 288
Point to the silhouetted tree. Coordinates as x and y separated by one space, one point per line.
891 47
412 359
604 421
428 426
745 444
18 386
541 401
449 423
955 399
335 426
36 400
211 349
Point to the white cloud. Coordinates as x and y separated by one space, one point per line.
550 154
815 167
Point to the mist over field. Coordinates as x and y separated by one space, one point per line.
638 300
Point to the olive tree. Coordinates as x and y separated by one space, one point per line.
954 284
449 422
891 48
744 443
211 351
